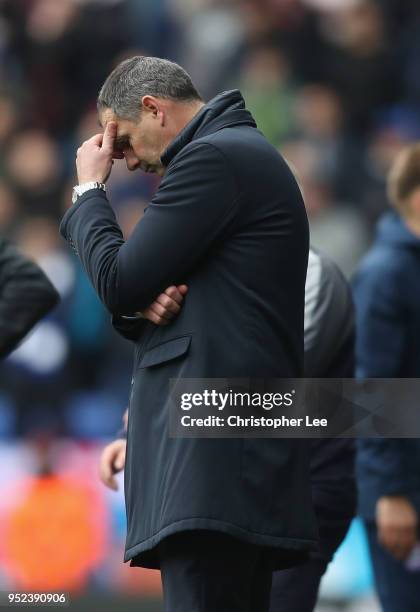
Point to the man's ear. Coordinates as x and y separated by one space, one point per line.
151 104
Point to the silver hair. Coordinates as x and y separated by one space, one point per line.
139 76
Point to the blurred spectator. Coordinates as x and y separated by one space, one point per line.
387 298
52 45
360 63
329 352
320 121
35 170
336 228
212 36
266 84
26 295
394 130
66 351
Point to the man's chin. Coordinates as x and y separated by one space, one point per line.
159 170
152 168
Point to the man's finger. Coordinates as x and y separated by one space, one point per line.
168 303
97 140
150 315
162 311
110 134
175 293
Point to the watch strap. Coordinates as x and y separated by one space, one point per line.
79 190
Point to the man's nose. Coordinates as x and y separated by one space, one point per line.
131 161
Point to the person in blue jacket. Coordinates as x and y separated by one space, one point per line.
386 291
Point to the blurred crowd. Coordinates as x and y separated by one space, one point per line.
332 83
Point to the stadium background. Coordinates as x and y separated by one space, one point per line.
334 84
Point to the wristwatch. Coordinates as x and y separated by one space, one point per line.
79 190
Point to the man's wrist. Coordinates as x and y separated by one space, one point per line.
81 188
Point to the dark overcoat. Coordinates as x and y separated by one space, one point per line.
229 221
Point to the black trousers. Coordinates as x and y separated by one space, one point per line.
208 571
296 589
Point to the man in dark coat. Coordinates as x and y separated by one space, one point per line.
387 296
26 295
329 352
216 515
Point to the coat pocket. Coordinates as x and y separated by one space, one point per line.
166 351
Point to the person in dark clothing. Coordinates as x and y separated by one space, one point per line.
329 353
228 215
26 295
387 297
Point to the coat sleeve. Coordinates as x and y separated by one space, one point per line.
384 464
26 295
380 322
192 210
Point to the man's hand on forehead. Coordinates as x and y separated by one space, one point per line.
95 156
120 140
